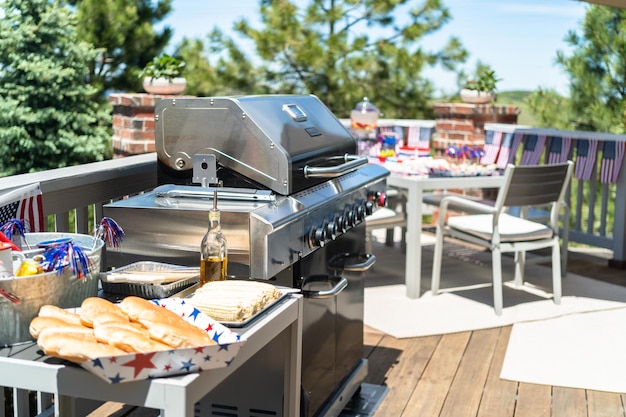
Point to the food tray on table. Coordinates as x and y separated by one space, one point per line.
237 324
149 279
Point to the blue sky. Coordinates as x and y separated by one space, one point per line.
517 38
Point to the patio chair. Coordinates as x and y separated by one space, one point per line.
500 232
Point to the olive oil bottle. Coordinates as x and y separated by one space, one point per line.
213 249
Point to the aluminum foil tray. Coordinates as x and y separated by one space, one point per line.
147 290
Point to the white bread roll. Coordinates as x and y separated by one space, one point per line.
164 325
40 324
92 307
75 347
128 338
49 310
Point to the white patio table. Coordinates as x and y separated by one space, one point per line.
415 185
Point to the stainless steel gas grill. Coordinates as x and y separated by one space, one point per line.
293 197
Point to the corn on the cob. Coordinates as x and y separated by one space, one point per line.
234 300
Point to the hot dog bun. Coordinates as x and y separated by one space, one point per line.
92 307
164 325
41 323
49 310
75 347
128 338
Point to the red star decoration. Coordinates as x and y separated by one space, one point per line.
199 349
167 367
209 327
141 362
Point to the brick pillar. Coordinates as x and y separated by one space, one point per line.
133 123
459 124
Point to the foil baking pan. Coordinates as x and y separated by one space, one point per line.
149 290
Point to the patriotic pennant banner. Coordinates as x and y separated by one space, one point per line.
533 148
559 149
505 150
24 204
586 154
612 156
493 139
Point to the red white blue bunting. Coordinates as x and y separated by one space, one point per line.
586 154
612 157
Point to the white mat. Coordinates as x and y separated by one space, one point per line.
388 309
577 351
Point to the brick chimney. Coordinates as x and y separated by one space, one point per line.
133 123
459 124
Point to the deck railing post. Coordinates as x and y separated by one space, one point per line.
619 222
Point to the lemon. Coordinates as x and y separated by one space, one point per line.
28 267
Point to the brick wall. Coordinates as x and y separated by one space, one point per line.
459 124
133 123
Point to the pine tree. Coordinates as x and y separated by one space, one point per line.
342 50
48 117
124 33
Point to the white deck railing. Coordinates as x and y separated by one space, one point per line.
597 208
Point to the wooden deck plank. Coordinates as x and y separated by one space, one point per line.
533 400
604 404
467 387
569 402
405 375
499 396
432 389
384 358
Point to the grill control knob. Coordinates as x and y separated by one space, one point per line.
359 210
332 230
317 237
342 223
369 208
351 216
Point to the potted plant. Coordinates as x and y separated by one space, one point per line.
163 75
482 89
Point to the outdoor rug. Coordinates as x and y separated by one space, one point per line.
466 300
578 351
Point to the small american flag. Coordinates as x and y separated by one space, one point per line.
533 148
493 139
586 153
24 204
559 149
505 151
612 156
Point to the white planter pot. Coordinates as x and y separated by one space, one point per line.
164 86
476 97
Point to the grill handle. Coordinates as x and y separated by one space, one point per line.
351 163
364 261
339 284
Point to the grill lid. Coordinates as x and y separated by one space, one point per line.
283 142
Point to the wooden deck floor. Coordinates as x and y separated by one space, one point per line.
458 375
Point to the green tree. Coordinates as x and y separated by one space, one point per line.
342 50
123 31
597 73
48 117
